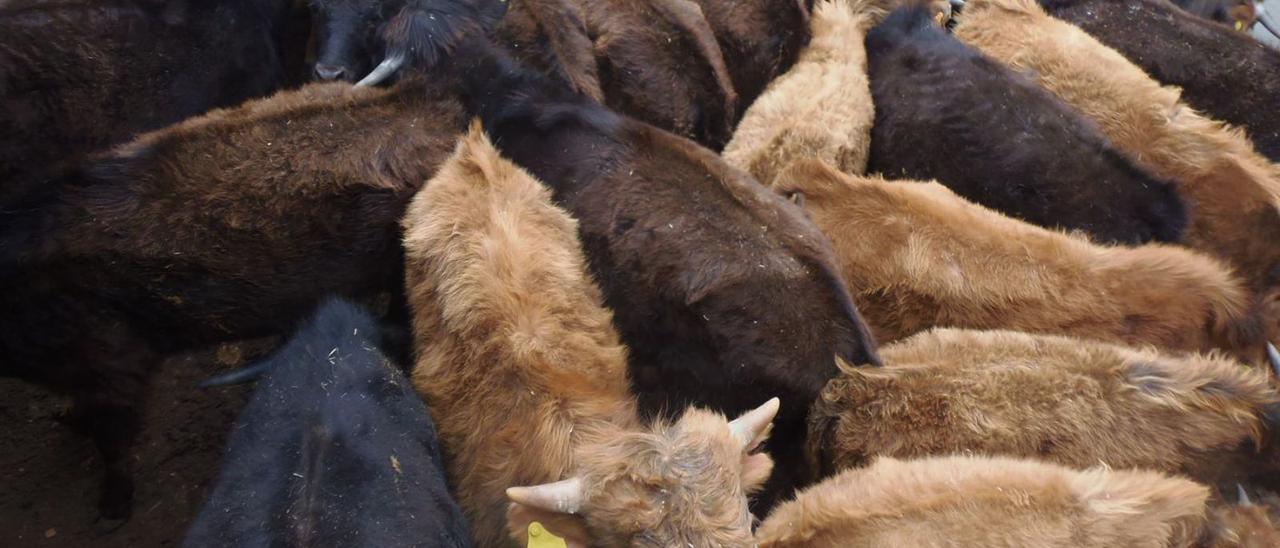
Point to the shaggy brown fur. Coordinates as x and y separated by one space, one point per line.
78 76
225 227
659 61
916 256
1069 401
978 501
1229 189
551 36
526 377
820 108
760 39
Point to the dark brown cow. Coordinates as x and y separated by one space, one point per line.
80 75
1228 75
726 294
676 64
228 226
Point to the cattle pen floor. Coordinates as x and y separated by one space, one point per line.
50 474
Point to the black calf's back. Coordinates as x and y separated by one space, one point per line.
333 449
946 112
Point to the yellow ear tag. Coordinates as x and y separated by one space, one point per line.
1239 25
540 537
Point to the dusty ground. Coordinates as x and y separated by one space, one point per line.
49 475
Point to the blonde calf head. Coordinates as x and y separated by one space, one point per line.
679 484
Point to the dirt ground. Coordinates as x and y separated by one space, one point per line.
50 475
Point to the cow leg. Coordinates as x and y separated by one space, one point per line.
109 410
397 330
114 428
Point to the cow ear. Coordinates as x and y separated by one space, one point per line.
702 281
567 527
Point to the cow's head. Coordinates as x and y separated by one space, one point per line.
354 37
680 484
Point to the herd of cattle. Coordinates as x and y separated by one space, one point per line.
596 228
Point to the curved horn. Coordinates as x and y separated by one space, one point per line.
1273 356
383 71
1267 22
564 496
752 424
1244 497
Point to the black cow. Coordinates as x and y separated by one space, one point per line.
333 449
81 75
1227 75
946 112
353 36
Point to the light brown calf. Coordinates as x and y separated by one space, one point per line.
978 501
1068 401
820 108
526 379
916 256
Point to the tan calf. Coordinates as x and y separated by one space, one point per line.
916 256
820 108
988 502
526 379
1068 401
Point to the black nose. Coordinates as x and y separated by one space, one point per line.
330 72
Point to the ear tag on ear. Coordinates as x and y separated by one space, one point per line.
540 537
1240 25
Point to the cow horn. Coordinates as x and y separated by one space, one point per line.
564 496
1244 497
383 71
752 424
1273 356
1267 22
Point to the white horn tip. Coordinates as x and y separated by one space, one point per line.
383 71
1243 496
563 496
1273 356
